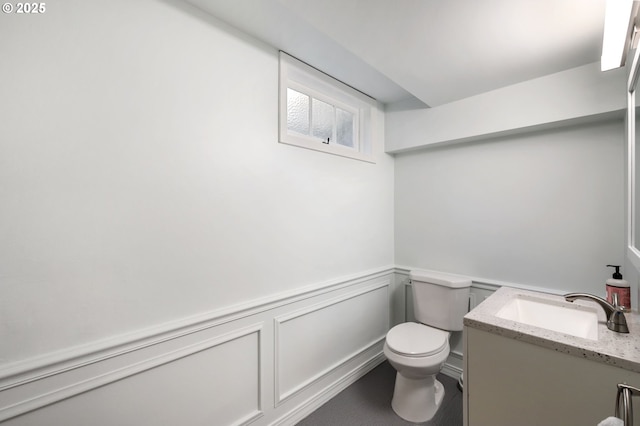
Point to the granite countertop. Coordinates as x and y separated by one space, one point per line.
617 349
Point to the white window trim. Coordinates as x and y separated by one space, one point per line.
305 79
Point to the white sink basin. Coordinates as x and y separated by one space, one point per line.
563 317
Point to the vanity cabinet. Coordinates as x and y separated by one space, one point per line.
509 382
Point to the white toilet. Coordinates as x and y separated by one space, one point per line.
419 350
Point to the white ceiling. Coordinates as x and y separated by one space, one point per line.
437 51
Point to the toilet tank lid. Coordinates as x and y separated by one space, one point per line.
440 278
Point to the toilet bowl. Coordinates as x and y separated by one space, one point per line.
418 353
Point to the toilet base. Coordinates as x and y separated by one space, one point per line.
417 400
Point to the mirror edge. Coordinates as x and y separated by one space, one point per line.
633 253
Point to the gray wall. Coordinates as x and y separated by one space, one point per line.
543 209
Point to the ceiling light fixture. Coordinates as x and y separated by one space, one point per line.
619 28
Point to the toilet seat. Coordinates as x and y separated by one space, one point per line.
416 340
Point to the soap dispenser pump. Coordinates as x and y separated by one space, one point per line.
620 287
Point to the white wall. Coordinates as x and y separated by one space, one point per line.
144 194
142 180
543 209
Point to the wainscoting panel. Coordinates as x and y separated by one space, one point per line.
216 380
312 342
268 362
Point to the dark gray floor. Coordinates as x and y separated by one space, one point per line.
367 402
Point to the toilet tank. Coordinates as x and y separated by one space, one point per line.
440 300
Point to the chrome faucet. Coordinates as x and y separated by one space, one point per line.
616 320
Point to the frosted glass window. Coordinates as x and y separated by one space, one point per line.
297 112
322 119
321 113
344 128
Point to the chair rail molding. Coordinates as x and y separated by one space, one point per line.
241 353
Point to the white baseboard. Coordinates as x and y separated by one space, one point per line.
453 366
320 398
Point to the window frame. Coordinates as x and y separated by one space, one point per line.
313 94
302 78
